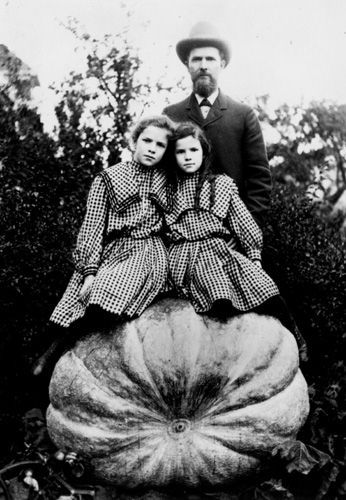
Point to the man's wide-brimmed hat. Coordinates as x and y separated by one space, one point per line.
203 34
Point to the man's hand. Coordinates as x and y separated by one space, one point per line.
86 287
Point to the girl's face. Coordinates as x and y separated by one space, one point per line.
151 146
189 154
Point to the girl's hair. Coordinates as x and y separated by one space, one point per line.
187 129
159 121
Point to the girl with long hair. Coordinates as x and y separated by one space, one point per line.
207 216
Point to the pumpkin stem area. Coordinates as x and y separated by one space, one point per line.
179 425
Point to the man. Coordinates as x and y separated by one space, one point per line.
231 127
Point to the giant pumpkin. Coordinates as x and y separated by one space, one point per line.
178 397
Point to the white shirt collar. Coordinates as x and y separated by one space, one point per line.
212 98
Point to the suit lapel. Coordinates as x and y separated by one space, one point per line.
193 111
216 111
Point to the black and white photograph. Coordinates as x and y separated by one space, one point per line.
172 249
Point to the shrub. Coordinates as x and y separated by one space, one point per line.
305 252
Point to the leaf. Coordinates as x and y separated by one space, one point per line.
271 490
301 458
329 476
35 430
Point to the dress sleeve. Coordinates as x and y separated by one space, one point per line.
243 225
89 245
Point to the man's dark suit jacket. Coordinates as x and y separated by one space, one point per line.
238 147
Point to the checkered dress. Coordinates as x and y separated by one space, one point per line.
203 268
119 243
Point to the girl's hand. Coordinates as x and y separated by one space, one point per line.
232 244
86 287
257 263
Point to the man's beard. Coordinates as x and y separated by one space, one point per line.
204 86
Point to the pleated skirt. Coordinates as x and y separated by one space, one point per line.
207 271
132 273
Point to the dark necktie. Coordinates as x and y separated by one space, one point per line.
205 102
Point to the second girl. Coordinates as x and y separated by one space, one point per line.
207 216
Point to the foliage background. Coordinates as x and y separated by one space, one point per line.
44 182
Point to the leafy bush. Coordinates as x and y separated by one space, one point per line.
39 218
305 252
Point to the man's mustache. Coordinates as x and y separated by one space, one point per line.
200 74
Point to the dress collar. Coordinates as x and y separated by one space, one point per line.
138 167
123 188
188 178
